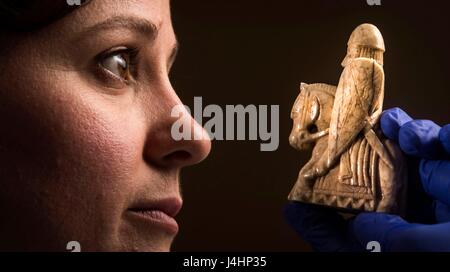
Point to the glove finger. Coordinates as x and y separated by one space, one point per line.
442 212
391 122
444 137
376 227
324 229
421 210
435 176
426 238
395 234
420 138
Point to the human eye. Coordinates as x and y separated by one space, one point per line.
118 65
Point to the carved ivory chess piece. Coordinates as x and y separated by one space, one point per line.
353 166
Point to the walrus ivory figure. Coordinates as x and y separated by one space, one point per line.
353 166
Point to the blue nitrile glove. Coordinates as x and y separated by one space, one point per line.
325 230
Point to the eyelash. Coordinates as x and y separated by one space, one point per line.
129 54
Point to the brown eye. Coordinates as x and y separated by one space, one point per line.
119 65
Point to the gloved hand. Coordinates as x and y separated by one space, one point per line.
428 228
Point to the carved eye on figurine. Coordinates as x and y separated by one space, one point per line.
314 115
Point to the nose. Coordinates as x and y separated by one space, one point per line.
302 135
297 137
292 140
164 149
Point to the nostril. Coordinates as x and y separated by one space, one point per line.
178 156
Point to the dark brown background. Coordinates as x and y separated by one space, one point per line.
257 52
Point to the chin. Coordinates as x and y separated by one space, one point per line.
151 247
133 246
148 242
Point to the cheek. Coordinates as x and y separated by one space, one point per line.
100 148
100 151
70 159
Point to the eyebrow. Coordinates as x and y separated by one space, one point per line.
139 25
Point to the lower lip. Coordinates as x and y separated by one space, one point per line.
157 218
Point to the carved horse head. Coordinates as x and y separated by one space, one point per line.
311 115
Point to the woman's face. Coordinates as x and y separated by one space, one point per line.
86 152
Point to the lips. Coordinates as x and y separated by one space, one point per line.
159 213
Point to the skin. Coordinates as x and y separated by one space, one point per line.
79 145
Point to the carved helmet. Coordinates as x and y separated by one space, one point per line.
367 35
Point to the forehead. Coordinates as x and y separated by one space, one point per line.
301 100
97 11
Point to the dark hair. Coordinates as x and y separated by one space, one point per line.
28 15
